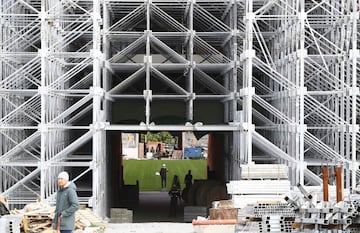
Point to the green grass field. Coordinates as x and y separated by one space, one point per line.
144 172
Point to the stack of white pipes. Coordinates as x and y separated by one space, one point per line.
264 171
245 192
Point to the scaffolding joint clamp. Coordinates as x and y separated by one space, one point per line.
354 166
147 94
235 32
247 54
302 15
247 91
43 128
249 16
43 52
100 125
92 164
97 91
148 33
192 64
343 128
148 59
43 90
302 165
299 91
297 128
43 165
350 128
96 54
301 53
352 91
236 124
246 126
233 95
354 15
191 96
107 96
97 17
354 53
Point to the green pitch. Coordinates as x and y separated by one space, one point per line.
144 171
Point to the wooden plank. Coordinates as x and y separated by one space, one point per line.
41 226
89 215
25 224
223 213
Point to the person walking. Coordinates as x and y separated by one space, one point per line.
174 193
163 172
66 204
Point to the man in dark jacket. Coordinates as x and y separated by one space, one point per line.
66 204
163 172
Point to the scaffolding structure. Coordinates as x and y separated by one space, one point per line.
284 72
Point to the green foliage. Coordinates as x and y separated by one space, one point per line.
144 171
163 136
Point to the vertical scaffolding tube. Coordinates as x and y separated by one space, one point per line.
43 95
301 131
98 188
248 55
354 93
234 163
190 57
147 64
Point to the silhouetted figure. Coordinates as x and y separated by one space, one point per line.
163 172
188 179
158 148
174 193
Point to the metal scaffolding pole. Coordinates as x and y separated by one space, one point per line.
247 90
354 56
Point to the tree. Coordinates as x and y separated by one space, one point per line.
163 136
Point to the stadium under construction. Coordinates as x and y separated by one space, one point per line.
271 81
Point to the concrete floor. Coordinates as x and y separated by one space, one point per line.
154 207
150 227
151 215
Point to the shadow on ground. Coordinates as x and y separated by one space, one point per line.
155 207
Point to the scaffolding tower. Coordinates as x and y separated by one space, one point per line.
283 71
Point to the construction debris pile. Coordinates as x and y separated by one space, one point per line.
325 216
301 209
266 218
253 188
38 217
261 203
